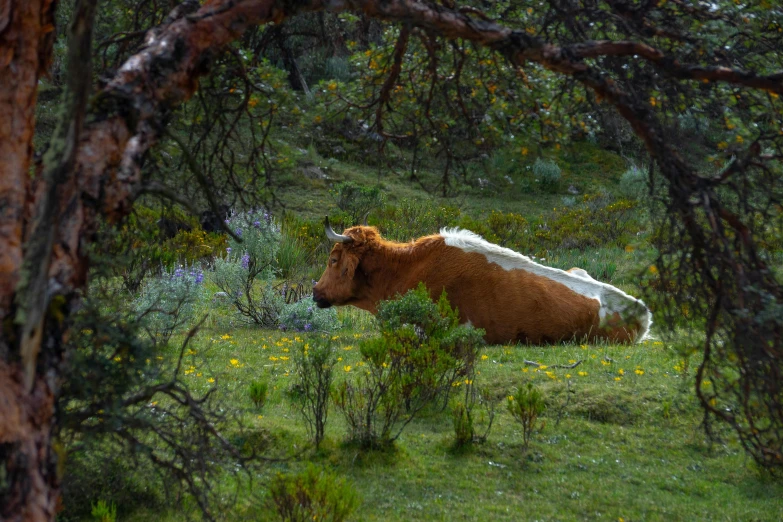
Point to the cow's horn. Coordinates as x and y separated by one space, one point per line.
334 236
364 219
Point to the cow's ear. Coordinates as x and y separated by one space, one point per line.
349 268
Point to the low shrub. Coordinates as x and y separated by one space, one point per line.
356 201
314 360
526 405
167 303
421 352
467 419
247 273
633 184
412 218
312 496
547 174
257 392
304 316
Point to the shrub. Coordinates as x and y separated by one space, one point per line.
526 405
416 360
598 221
356 201
312 496
412 218
103 512
292 259
315 362
547 173
465 417
507 227
304 316
633 184
167 303
257 391
247 273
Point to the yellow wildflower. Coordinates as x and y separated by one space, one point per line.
347 367
582 374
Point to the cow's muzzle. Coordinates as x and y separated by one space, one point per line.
320 301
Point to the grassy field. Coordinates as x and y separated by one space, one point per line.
621 437
621 440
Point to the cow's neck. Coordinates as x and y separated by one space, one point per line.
389 270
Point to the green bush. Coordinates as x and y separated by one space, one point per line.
104 512
599 220
547 173
633 184
467 420
247 273
167 303
412 218
356 201
526 405
421 352
257 392
314 360
312 496
304 316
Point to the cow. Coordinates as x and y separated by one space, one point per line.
511 297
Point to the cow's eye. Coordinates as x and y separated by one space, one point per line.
333 261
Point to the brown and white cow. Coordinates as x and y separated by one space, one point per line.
507 294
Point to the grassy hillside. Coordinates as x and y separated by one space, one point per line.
621 440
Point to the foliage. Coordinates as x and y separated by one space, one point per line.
421 352
312 496
315 362
292 259
258 393
356 201
247 273
526 405
464 415
598 221
125 402
412 218
104 512
633 184
304 316
547 174
167 303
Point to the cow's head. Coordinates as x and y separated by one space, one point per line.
341 282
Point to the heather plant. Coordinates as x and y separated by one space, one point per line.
356 201
473 410
315 360
168 302
526 405
312 496
633 183
104 512
258 393
421 353
304 316
247 272
547 173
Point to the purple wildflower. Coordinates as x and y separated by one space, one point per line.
238 232
308 327
246 261
309 309
199 278
228 249
179 272
256 224
226 222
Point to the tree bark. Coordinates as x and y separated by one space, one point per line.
26 33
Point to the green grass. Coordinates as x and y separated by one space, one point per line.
613 446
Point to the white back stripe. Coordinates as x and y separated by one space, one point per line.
611 299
